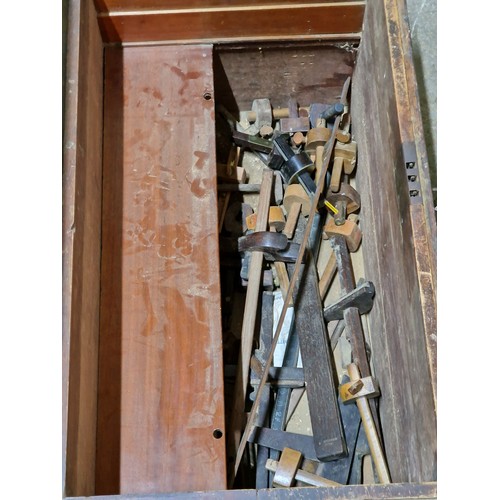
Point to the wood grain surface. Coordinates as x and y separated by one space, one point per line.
402 491
160 360
310 72
82 178
226 23
397 326
131 5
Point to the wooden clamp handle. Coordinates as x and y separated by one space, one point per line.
370 429
301 475
249 319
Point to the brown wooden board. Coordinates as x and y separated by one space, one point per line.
81 226
226 23
160 359
309 72
396 321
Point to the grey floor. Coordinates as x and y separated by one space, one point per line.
422 16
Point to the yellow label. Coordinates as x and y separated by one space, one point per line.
331 207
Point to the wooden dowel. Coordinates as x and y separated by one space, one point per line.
327 276
249 316
303 476
241 188
370 430
278 113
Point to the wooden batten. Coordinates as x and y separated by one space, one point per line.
82 191
222 22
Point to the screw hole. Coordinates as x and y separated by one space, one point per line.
412 178
207 96
217 434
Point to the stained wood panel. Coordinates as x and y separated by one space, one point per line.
396 320
230 22
309 72
82 177
160 364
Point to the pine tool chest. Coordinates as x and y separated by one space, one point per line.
249 253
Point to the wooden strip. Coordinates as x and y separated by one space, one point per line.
327 276
82 178
249 318
317 361
215 23
130 5
400 491
161 405
331 37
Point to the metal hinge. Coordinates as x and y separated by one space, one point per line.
410 159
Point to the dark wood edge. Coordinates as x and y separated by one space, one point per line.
68 203
145 5
406 491
422 215
341 37
224 24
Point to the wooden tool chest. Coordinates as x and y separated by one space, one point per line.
143 368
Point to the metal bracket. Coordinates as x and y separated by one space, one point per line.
410 160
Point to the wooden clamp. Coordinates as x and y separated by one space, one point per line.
344 160
346 201
296 200
352 318
349 230
366 387
287 467
295 122
343 133
276 219
315 143
278 113
287 471
369 426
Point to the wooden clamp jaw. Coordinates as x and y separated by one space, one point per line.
287 468
315 143
287 471
276 219
296 121
347 200
366 387
349 230
344 160
295 201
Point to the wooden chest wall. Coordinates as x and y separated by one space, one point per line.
140 230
